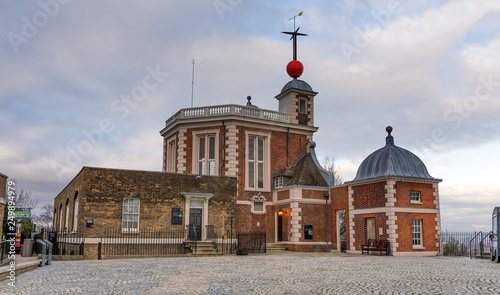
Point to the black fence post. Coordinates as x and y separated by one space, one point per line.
99 251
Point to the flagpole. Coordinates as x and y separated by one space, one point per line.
192 85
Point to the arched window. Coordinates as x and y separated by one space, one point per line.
75 212
54 226
60 218
67 215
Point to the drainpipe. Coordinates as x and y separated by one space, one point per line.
288 147
223 148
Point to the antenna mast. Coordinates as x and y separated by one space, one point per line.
192 85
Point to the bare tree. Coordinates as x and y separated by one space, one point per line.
25 199
330 166
44 219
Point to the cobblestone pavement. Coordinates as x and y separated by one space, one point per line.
264 274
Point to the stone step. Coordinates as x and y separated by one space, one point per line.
275 247
486 255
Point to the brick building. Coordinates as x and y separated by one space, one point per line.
261 167
130 201
283 190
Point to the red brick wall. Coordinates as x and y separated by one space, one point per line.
282 195
405 237
403 194
371 195
313 194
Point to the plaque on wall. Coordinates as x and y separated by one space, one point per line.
89 223
308 232
176 215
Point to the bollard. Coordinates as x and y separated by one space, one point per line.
49 260
44 249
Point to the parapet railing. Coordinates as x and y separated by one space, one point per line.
230 109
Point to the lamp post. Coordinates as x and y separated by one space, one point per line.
326 195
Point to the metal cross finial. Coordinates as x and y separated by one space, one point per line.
294 37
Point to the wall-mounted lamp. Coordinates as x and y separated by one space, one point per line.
280 212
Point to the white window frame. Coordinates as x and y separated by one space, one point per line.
417 233
171 155
196 150
278 182
258 199
76 203
415 197
66 221
60 217
128 229
267 180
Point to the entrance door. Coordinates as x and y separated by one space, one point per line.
370 228
195 216
280 228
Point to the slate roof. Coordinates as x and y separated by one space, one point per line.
297 84
392 161
307 171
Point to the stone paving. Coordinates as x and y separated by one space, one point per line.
304 273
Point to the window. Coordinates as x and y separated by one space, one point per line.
75 212
278 182
258 204
67 215
130 218
60 218
206 154
416 229
171 156
415 197
256 162
302 106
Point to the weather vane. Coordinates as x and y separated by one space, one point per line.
294 34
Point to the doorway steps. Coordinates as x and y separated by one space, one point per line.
486 255
204 249
275 247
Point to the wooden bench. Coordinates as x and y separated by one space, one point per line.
375 245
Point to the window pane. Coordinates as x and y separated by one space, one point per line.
261 175
251 174
251 148
201 149
261 149
258 206
302 106
211 167
201 167
211 147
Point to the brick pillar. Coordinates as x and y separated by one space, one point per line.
392 227
295 221
438 216
181 151
352 240
231 150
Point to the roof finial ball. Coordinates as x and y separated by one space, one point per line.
389 139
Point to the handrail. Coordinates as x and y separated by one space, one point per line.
481 243
470 244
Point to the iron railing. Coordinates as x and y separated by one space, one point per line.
252 242
4 250
68 243
191 238
225 243
146 242
480 243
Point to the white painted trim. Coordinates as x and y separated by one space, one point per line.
195 148
267 160
204 218
306 243
395 210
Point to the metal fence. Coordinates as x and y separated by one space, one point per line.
225 243
4 250
465 243
118 242
252 242
64 242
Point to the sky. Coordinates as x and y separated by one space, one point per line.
91 83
